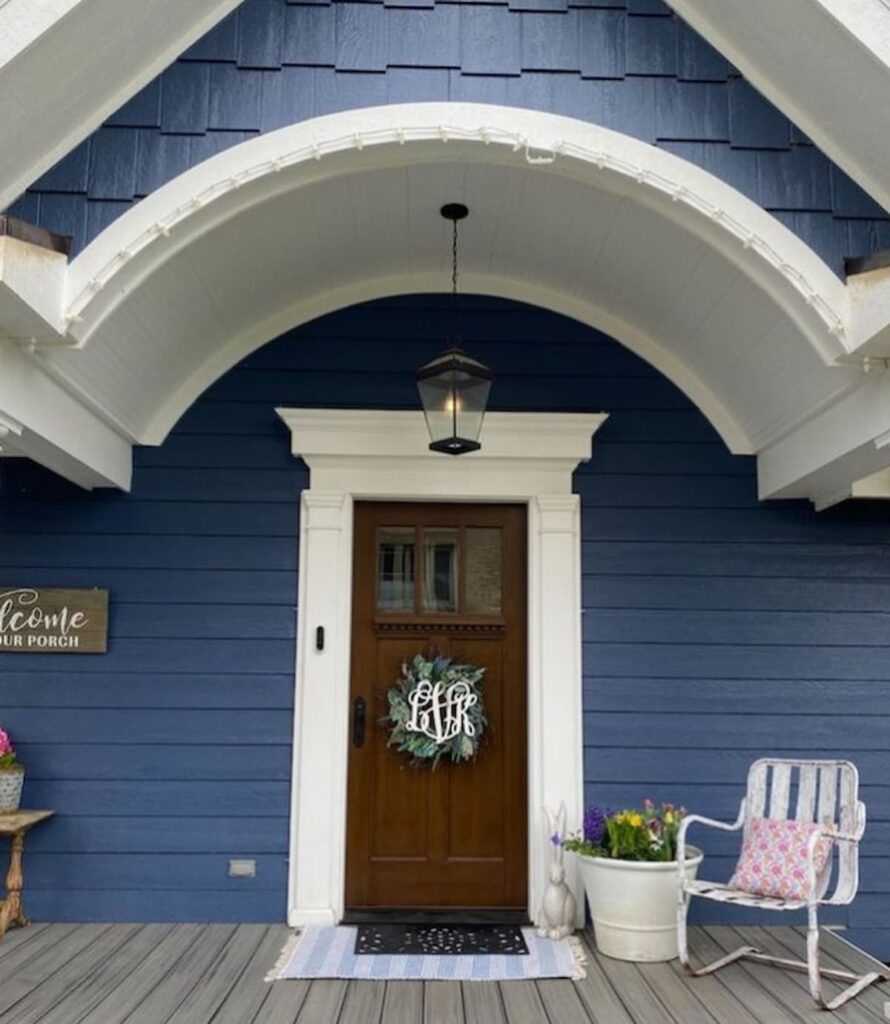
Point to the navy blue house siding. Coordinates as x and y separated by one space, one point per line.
630 65
716 629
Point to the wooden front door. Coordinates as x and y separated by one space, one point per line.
449 579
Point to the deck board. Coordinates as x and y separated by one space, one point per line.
403 1003
522 1001
788 944
363 1003
178 977
757 1002
245 999
443 1003
80 996
214 974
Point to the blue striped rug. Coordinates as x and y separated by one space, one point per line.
329 952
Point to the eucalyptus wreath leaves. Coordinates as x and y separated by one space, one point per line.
437 710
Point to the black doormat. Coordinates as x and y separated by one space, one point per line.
440 939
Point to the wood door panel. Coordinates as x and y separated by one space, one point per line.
456 836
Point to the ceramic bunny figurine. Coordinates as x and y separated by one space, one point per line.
556 918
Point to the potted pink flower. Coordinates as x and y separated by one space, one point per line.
12 775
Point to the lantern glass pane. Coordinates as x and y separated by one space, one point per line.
472 398
436 394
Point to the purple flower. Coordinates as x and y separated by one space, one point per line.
595 824
555 840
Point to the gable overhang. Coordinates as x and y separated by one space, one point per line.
824 63
702 283
67 65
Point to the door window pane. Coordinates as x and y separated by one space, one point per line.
440 561
395 569
483 568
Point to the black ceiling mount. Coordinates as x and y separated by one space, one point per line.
454 211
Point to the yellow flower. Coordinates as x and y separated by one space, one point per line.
668 817
636 820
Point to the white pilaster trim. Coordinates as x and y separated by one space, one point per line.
379 455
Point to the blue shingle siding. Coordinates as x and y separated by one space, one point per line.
716 629
629 65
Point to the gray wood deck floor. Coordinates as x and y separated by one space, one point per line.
213 974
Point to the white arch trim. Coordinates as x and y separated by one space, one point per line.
377 455
108 277
702 283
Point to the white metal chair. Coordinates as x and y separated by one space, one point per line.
826 793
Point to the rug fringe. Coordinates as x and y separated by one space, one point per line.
284 956
579 956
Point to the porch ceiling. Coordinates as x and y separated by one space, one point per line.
675 264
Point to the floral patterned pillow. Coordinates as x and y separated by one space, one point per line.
773 861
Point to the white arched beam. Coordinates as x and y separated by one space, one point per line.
674 263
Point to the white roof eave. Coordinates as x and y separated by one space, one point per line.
824 63
52 98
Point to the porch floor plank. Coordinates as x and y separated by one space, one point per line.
363 1003
443 1003
757 1001
40 972
602 1002
143 979
323 1002
859 1010
247 996
482 1003
180 977
561 1003
796 1003
81 995
403 1003
213 988
21 936
839 954
522 1001
283 1004
640 1000
41 1001
214 974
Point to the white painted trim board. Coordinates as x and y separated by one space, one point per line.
379 455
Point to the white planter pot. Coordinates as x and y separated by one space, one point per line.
11 780
633 905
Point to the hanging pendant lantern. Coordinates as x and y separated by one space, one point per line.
454 387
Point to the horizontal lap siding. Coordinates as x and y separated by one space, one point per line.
632 67
170 754
715 630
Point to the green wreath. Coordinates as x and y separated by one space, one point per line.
436 710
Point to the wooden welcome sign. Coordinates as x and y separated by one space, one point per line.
37 620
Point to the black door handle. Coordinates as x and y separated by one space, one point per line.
358 721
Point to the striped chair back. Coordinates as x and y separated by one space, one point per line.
822 792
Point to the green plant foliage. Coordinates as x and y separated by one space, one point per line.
422 748
647 834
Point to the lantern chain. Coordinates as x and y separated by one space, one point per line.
454 257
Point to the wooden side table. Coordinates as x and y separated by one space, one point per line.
15 824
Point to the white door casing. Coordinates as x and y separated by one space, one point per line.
380 455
